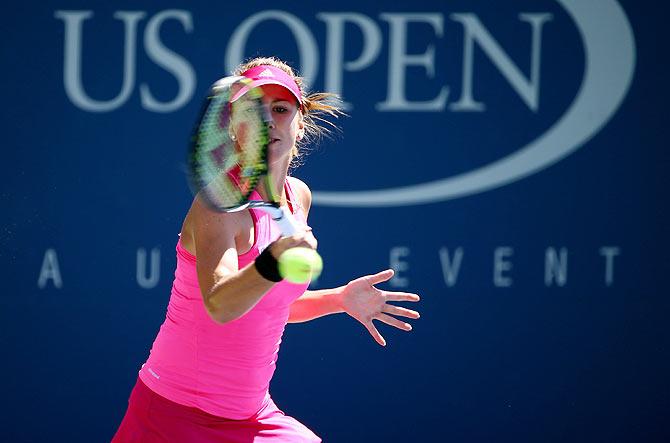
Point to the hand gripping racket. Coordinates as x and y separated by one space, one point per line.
228 154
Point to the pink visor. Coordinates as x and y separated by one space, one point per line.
269 75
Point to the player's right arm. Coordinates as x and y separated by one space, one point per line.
227 291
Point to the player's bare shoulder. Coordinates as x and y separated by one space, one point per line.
204 222
303 192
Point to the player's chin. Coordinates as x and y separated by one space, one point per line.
277 152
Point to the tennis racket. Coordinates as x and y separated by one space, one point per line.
228 153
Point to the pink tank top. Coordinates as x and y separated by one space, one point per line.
222 369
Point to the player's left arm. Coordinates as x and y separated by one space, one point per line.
359 298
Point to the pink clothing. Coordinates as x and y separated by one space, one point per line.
152 418
222 369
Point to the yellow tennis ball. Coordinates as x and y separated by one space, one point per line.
299 265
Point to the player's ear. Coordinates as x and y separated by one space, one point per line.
301 128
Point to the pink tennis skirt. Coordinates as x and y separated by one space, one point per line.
151 418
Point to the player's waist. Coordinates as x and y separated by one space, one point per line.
232 401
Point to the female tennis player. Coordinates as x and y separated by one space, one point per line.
208 373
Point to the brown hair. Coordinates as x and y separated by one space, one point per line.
315 105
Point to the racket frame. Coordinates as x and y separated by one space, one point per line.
221 91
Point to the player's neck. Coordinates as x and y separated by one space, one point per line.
277 180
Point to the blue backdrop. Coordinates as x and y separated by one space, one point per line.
507 160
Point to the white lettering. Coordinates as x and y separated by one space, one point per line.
50 270
451 267
309 53
398 265
555 268
152 280
168 60
399 60
528 90
335 64
152 372
609 252
72 63
501 265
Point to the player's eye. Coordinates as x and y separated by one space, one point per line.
280 109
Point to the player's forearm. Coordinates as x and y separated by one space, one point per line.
315 304
236 294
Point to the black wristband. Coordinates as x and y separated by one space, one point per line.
266 265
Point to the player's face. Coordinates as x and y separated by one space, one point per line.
286 126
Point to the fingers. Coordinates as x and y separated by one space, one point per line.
397 310
401 296
392 321
303 239
375 333
380 277
309 237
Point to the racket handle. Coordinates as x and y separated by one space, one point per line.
284 219
287 222
288 226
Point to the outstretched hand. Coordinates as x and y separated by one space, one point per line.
364 302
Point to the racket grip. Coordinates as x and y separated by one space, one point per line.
285 221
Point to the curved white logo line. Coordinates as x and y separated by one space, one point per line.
610 64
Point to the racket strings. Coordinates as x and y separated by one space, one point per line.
230 148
